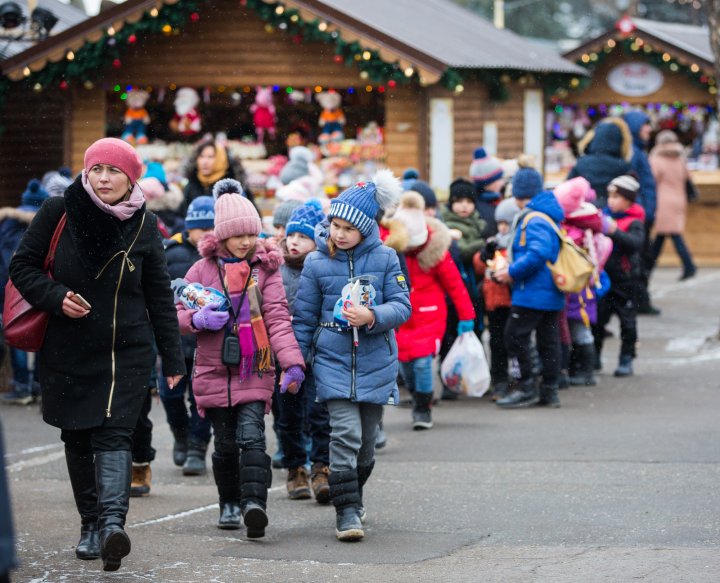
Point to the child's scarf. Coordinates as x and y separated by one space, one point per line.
255 352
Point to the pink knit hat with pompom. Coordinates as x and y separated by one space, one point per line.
571 193
235 215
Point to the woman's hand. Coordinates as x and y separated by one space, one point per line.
72 309
360 316
173 381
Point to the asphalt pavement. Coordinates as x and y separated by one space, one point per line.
622 483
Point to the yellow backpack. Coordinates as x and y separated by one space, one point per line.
573 267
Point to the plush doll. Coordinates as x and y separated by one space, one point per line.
186 120
136 117
263 112
332 119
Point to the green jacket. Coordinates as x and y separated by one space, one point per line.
472 229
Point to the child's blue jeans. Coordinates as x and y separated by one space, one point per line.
418 374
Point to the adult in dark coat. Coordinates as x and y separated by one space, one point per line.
95 362
607 151
209 164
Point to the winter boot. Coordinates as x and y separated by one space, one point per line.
319 482
345 494
180 446
226 470
421 415
585 371
140 483
381 439
82 478
112 476
195 462
624 368
255 479
499 390
525 395
363 475
549 396
298 484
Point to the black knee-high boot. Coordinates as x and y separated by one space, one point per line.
226 469
113 470
81 468
255 479
345 495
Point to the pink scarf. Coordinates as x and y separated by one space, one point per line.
122 210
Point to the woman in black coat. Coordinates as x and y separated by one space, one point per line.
98 349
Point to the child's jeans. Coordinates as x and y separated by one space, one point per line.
518 332
241 426
623 305
418 374
354 428
297 411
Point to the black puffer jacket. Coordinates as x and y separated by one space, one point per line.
94 370
181 255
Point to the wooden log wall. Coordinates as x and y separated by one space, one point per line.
85 124
405 128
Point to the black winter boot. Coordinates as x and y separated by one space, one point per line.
195 462
255 479
524 395
549 396
345 494
585 373
82 478
363 475
180 446
421 415
112 476
625 368
226 470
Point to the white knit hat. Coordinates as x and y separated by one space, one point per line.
410 214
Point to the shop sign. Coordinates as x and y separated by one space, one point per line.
635 79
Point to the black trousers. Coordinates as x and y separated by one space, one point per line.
241 427
622 304
518 334
142 450
97 439
647 262
497 319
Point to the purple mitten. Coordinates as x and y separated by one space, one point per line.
208 318
293 374
606 222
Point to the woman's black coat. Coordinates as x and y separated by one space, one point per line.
76 361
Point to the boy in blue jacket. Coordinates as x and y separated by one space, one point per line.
536 301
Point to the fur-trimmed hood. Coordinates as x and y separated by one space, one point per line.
17 214
669 150
267 253
398 236
611 136
438 243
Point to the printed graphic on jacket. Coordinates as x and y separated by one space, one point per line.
359 292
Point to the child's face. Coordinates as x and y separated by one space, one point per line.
616 202
240 246
344 234
430 212
463 207
503 227
194 235
495 186
299 244
279 231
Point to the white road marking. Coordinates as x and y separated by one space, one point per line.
31 450
36 461
683 286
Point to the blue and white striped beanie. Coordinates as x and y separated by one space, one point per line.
360 204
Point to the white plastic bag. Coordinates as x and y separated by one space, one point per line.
465 369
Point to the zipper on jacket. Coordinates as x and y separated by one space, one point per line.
353 349
229 379
387 339
131 268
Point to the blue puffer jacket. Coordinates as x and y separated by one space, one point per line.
367 373
648 189
533 285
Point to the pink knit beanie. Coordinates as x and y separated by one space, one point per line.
571 193
235 215
117 153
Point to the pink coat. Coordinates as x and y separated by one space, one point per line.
211 385
668 166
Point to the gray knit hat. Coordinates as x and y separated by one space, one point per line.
282 213
506 211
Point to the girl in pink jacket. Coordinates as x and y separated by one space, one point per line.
234 372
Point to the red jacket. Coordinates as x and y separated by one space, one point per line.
432 274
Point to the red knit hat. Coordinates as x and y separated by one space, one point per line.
235 215
117 153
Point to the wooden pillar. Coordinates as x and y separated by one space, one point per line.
86 123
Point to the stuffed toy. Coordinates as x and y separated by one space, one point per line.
186 120
332 119
263 112
136 117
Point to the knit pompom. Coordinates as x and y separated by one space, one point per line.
388 189
34 185
226 186
526 161
412 200
410 174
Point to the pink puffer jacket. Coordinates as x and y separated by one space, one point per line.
211 384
